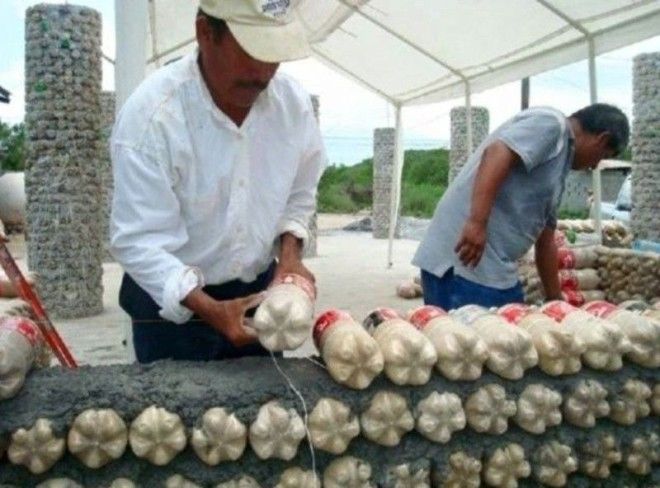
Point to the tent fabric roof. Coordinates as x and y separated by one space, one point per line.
423 51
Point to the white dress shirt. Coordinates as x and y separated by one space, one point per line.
199 200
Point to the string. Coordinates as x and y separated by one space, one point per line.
317 363
305 414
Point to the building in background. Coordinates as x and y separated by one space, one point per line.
577 192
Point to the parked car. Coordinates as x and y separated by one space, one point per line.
619 209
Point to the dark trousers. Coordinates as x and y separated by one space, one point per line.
451 291
156 338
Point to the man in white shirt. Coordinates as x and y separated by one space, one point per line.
216 161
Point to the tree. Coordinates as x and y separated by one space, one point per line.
12 147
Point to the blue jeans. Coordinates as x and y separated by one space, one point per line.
452 291
156 338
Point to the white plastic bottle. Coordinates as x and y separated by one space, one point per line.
284 320
643 333
468 314
559 349
352 356
604 341
408 354
461 352
510 348
19 342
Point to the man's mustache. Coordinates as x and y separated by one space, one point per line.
255 84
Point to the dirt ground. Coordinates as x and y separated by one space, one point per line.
351 271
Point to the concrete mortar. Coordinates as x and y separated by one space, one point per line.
243 385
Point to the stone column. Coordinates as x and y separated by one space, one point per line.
459 153
63 177
311 250
107 122
384 142
645 216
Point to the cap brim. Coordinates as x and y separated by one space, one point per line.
272 43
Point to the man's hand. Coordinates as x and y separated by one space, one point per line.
496 163
225 316
471 243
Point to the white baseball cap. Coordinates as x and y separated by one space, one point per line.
268 30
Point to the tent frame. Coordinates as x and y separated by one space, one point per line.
133 17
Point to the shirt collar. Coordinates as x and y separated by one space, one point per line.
262 102
571 134
571 146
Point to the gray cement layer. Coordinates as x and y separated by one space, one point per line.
243 385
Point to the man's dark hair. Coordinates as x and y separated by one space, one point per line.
218 26
601 117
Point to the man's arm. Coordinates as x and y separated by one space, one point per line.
546 263
293 227
290 257
146 227
495 166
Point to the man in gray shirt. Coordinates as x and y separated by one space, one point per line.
505 200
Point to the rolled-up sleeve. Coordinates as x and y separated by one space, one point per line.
146 227
301 203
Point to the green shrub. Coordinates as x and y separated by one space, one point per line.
420 200
12 147
572 214
334 199
348 189
426 167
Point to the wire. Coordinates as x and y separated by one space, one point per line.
305 414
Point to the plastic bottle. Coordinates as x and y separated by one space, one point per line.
510 349
461 352
643 333
284 319
352 356
604 341
408 354
19 342
558 349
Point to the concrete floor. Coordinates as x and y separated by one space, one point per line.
351 273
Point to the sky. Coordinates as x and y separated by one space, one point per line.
347 109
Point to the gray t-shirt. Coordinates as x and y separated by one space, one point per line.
525 204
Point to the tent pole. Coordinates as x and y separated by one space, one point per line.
395 193
468 117
524 93
154 33
131 19
595 175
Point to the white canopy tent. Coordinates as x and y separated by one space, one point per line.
413 51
